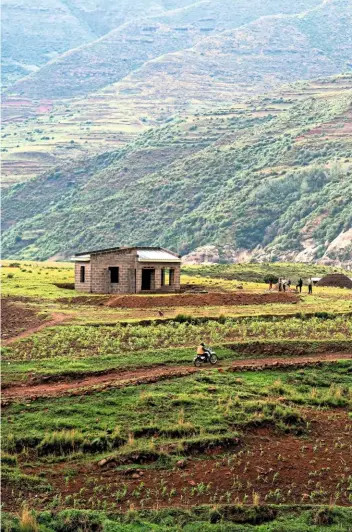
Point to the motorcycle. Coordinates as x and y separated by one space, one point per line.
209 356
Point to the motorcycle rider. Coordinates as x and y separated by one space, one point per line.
203 351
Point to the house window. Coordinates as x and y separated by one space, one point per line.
82 274
114 274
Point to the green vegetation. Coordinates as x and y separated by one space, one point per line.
80 341
72 365
259 273
143 445
201 419
196 519
247 186
36 280
197 407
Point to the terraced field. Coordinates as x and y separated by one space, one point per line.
107 425
39 133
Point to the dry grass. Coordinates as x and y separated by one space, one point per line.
28 522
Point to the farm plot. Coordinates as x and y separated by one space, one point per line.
107 425
258 438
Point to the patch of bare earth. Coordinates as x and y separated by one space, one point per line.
280 468
19 321
16 317
213 299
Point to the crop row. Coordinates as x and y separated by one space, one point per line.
80 341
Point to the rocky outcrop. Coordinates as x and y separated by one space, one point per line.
338 253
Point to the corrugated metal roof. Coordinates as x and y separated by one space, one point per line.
156 255
144 254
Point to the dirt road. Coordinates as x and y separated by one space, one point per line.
120 378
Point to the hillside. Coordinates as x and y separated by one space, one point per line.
125 49
273 176
34 33
227 66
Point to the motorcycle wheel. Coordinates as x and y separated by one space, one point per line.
213 359
197 363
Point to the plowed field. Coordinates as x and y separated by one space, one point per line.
194 300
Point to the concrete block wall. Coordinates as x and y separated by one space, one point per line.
86 286
101 274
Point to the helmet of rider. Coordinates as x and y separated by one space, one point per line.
202 344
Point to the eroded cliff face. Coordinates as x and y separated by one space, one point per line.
338 252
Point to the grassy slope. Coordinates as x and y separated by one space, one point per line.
203 409
275 172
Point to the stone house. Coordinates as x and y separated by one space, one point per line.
127 270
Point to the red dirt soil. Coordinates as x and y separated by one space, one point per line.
213 299
19 321
16 317
279 468
338 280
119 379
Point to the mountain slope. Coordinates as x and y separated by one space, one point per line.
223 68
33 33
111 58
274 174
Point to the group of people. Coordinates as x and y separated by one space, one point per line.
284 284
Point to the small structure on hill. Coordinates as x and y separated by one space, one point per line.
338 280
127 270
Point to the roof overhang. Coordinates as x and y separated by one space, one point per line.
80 258
175 260
156 255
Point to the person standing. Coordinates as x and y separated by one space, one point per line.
310 286
300 284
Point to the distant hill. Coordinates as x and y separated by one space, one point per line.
35 32
112 57
222 66
270 178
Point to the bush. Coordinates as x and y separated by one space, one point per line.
271 279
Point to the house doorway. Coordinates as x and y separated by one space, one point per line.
148 279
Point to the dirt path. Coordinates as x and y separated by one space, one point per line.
119 378
56 318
